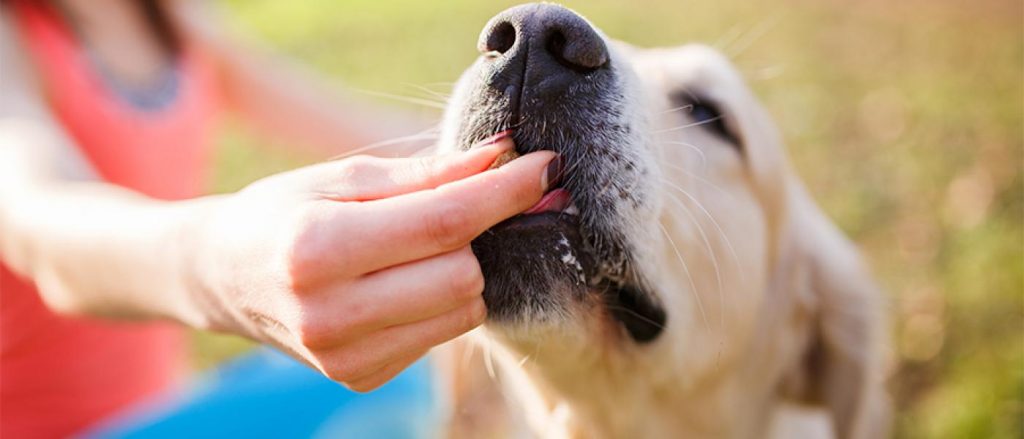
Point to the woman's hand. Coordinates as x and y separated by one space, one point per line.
359 266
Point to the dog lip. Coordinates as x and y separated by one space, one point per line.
642 318
557 200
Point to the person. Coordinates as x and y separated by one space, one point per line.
356 267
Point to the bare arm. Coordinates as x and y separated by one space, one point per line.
55 216
356 267
293 105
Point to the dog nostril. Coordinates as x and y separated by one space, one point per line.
583 56
556 47
501 38
541 47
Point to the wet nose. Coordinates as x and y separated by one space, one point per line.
553 32
539 50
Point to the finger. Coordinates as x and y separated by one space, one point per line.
384 374
421 224
401 294
363 178
372 352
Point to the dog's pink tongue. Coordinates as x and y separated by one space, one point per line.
554 201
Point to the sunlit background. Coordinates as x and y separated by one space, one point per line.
904 118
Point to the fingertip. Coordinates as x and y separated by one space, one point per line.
552 174
544 164
497 137
543 154
495 148
461 164
482 156
520 183
477 313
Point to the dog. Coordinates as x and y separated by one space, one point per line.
680 281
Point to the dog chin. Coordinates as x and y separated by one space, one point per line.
532 268
575 329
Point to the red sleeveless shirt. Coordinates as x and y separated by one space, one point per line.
60 374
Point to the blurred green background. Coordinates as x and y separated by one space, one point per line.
904 118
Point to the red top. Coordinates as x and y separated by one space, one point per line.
59 374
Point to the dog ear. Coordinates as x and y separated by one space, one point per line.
844 365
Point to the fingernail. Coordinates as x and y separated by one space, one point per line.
552 174
493 139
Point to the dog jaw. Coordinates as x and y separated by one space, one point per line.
731 245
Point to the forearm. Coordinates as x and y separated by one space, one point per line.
97 249
90 247
293 105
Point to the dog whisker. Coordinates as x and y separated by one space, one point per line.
604 189
753 35
682 108
523 360
445 84
766 73
467 355
442 97
725 237
703 158
728 37
710 184
686 269
428 134
407 99
489 361
536 350
689 125
711 253
637 315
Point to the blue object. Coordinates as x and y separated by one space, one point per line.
269 395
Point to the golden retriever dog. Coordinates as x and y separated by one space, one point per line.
680 282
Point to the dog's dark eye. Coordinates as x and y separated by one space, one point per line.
706 115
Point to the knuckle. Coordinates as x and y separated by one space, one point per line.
466 277
363 386
338 375
357 167
356 316
325 327
343 371
302 251
475 314
450 225
424 168
314 336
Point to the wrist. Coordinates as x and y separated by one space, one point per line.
199 305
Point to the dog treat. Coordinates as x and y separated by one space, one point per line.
505 157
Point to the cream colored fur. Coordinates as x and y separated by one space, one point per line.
774 328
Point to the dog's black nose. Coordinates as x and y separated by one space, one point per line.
548 32
539 50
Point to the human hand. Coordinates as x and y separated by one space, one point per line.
358 267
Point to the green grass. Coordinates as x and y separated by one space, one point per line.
903 117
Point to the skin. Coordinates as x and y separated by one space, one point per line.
356 267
